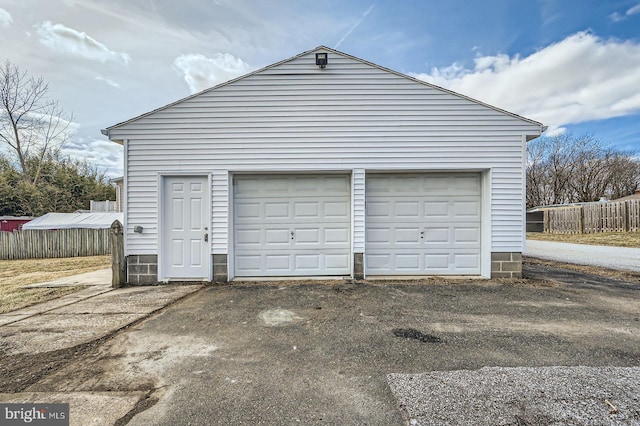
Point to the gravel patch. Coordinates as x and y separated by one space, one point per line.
521 396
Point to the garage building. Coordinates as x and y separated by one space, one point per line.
323 165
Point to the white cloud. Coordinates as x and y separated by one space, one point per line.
578 79
5 18
109 82
633 10
617 17
201 72
104 154
63 39
555 131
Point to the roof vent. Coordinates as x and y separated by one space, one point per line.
321 60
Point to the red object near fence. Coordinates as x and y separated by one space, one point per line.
13 223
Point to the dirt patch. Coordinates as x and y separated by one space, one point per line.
628 276
19 372
16 274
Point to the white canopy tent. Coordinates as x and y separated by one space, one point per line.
74 220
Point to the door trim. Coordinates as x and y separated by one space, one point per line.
161 178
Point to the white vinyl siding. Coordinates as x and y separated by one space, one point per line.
358 210
220 212
294 117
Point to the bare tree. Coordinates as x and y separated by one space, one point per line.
32 125
566 169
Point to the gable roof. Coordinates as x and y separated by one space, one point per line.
106 131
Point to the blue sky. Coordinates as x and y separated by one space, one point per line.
573 65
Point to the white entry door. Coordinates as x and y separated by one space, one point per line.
292 225
423 224
185 242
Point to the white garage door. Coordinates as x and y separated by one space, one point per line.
295 225
423 224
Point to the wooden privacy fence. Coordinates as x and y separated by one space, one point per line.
40 244
617 216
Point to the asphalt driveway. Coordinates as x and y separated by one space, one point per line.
327 354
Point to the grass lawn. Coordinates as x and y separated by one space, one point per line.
15 274
618 239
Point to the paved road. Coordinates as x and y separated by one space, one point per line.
604 256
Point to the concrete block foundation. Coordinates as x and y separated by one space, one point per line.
220 269
506 265
142 269
358 266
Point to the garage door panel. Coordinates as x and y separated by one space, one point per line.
248 236
335 236
306 210
275 185
292 225
469 261
466 184
378 263
275 236
248 186
306 263
437 235
336 262
434 209
338 209
308 236
407 235
407 209
423 224
277 262
466 209
378 209
277 210
377 235
407 262
247 211
408 184
249 264
436 262
467 235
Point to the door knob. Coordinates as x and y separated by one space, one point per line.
206 237
292 235
422 235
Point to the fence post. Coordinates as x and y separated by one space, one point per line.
116 240
626 223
